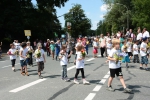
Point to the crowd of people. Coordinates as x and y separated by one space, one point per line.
120 48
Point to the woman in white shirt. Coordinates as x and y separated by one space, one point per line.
95 47
12 53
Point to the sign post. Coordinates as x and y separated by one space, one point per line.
28 34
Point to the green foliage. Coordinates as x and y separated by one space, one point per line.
79 22
19 15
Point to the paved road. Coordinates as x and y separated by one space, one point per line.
14 86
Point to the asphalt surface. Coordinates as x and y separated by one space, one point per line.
14 86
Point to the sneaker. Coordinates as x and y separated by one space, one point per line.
110 89
76 82
141 68
40 77
86 82
146 69
67 79
126 90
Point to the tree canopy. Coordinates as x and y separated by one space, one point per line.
80 24
136 11
19 15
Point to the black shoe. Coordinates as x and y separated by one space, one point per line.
141 68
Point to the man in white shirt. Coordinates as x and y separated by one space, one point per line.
146 33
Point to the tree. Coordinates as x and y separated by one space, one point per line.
80 23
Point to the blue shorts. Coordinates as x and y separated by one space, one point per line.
144 60
23 63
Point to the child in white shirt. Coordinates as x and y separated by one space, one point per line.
12 53
40 59
115 66
80 65
129 48
135 52
109 46
63 56
143 53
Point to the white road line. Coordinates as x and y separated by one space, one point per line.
106 76
2 61
10 65
108 73
97 88
90 96
70 68
90 59
27 85
102 81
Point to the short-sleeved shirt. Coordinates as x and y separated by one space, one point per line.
24 52
144 46
40 58
146 34
79 63
129 47
112 64
139 36
52 46
64 59
135 51
13 56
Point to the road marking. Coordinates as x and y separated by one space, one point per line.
2 61
106 76
27 85
10 65
70 68
97 88
90 96
102 81
90 59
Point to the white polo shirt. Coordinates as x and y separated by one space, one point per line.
146 34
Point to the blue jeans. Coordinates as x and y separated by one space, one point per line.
64 72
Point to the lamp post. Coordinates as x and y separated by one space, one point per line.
127 13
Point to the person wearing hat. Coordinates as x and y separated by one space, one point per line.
52 48
143 53
23 59
40 59
30 51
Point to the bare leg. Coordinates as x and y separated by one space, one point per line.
122 82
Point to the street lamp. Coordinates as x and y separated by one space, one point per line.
127 13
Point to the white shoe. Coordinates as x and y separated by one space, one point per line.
86 82
76 82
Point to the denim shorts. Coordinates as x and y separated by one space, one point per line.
23 63
144 60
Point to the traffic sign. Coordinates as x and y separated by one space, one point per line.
27 32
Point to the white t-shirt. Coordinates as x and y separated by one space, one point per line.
95 44
145 34
64 59
109 46
12 52
135 52
112 64
144 46
41 58
24 52
29 48
17 45
139 36
129 47
79 64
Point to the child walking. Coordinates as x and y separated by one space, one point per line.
115 67
40 59
126 57
129 48
63 56
143 49
80 65
12 53
23 59
109 46
52 48
135 52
